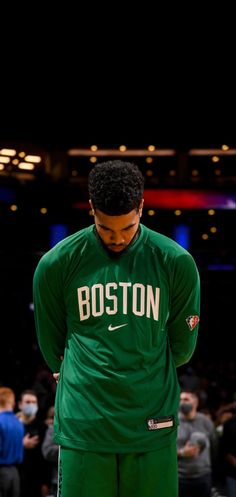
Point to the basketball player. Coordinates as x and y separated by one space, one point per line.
119 304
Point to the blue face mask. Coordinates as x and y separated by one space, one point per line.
30 409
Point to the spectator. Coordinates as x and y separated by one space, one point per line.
229 451
45 389
224 413
189 380
195 444
50 451
11 445
34 470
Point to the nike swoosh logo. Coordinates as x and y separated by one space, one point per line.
113 328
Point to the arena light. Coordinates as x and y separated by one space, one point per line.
212 151
33 158
84 152
168 198
5 160
221 267
13 207
182 235
26 166
8 151
188 199
57 233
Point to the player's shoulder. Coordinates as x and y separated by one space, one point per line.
163 244
205 420
65 250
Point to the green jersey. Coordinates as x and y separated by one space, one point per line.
122 324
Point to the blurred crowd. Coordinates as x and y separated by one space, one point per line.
206 442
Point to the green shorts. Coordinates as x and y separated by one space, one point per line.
144 474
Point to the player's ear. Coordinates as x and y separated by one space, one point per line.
91 205
141 207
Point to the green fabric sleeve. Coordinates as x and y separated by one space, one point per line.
50 315
185 309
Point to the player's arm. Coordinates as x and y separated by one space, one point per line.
50 315
184 309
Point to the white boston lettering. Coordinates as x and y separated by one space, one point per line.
84 304
138 289
121 298
125 293
111 297
97 302
153 303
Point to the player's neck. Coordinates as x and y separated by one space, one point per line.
116 255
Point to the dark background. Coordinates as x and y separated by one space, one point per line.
180 109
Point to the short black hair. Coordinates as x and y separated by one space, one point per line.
27 392
116 187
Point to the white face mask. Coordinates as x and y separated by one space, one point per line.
30 409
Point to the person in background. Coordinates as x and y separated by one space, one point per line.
11 445
45 388
223 414
119 304
34 471
50 451
196 444
229 452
